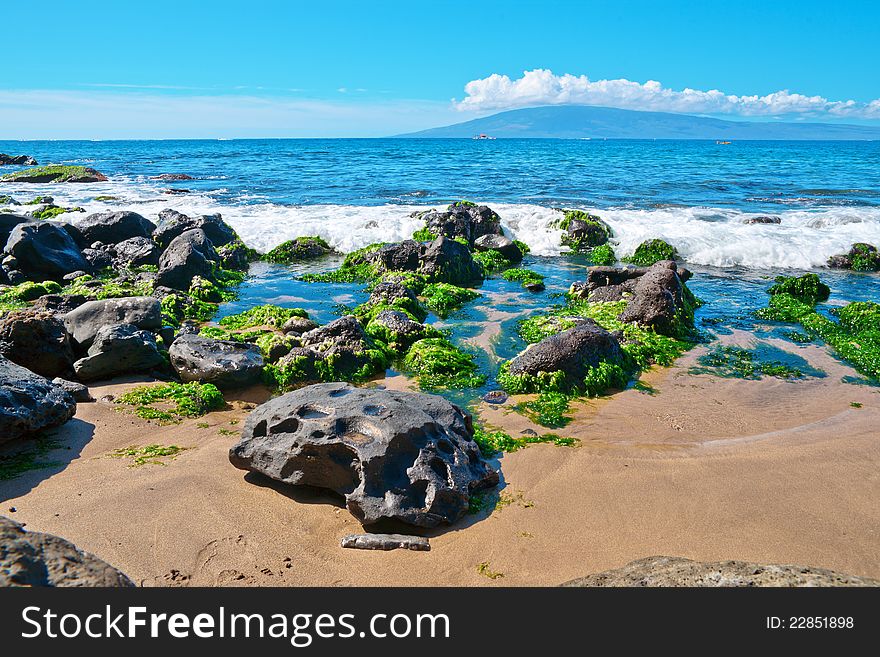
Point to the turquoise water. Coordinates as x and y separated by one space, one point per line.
355 192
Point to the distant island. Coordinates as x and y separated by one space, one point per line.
582 122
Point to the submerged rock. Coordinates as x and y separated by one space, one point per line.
762 220
393 455
36 339
44 250
677 571
119 349
30 402
36 559
386 542
573 352
84 322
225 363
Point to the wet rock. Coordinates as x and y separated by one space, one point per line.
119 349
30 402
404 256
99 256
861 257
173 224
762 220
78 391
55 173
495 397
114 227
36 559
44 250
658 300
464 220
399 456
398 330
225 363
8 221
136 252
584 231
19 160
386 542
84 322
344 342
299 325
504 245
36 339
172 176
189 255
677 571
447 261
574 352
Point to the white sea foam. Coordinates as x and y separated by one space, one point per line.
707 236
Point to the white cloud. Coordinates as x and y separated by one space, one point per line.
543 87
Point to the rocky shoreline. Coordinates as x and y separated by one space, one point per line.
116 294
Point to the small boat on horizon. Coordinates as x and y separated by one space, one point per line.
723 143
482 136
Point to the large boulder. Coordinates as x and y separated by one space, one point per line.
36 339
660 300
678 571
225 363
44 250
189 255
392 455
584 231
445 260
343 343
37 559
114 227
504 245
30 402
119 349
84 322
464 220
173 224
573 352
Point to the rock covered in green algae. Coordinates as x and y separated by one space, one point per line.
55 173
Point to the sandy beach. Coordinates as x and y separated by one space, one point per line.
703 467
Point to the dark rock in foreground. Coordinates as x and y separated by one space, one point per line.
119 349
393 455
30 402
85 321
443 260
78 391
677 571
464 220
189 255
504 245
44 250
173 224
225 363
36 339
660 300
8 221
386 542
36 559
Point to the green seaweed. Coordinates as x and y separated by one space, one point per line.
443 298
424 235
13 464
186 400
438 364
494 442
297 249
17 296
265 315
148 454
491 261
550 409
651 251
110 287
865 257
807 288
52 211
602 255
526 277
57 173
736 362
355 268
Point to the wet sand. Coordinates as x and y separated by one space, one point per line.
704 468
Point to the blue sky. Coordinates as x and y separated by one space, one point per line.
104 69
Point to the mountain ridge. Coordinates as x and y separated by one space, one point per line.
581 122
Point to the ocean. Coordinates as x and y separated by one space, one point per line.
353 192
